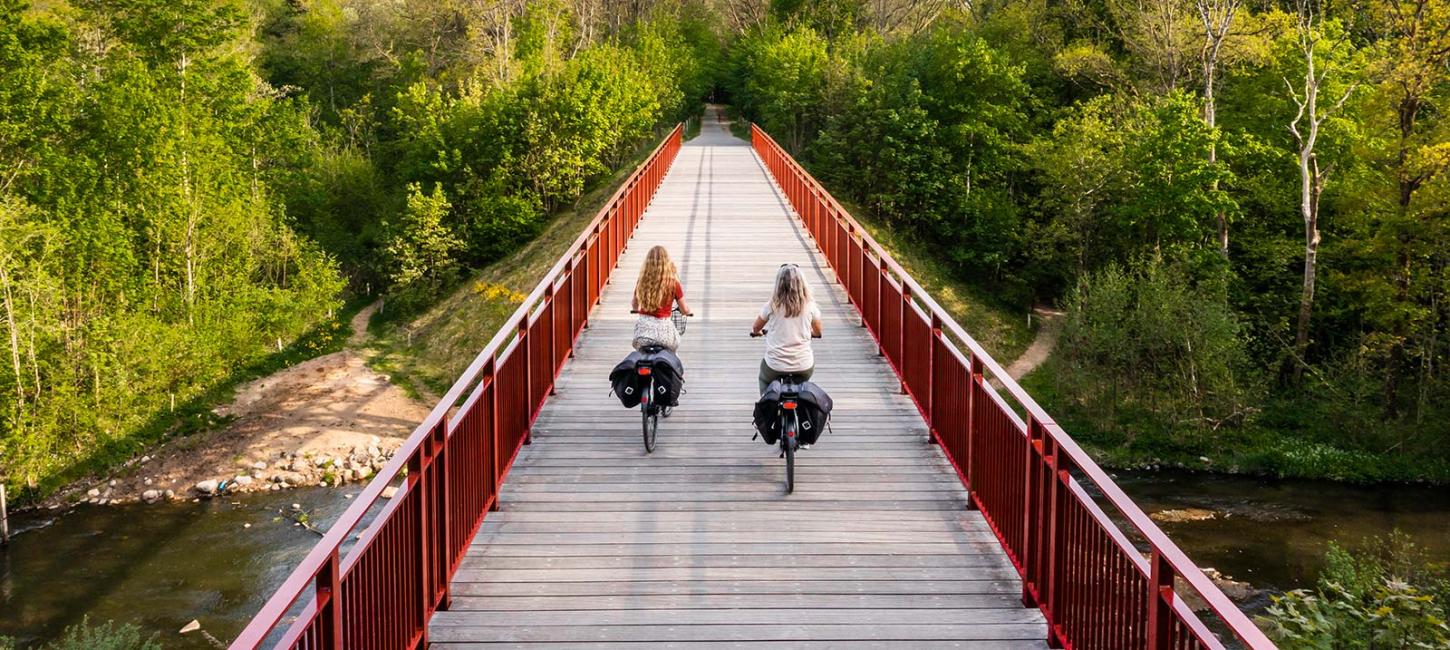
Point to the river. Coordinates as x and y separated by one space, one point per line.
162 566
158 566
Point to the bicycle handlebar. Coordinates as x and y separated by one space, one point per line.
754 334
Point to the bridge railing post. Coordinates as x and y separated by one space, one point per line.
933 434
882 281
1160 593
329 602
901 332
1032 515
1055 547
490 441
528 384
974 386
551 306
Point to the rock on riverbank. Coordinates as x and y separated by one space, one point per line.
327 421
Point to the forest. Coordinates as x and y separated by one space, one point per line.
1240 206
192 190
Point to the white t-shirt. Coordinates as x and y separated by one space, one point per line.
788 340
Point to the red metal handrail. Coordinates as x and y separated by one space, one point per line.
1093 585
382 594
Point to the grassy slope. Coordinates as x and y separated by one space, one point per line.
426 353
997 326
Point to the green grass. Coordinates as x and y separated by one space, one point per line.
426 353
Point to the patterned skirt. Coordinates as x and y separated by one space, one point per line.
649 330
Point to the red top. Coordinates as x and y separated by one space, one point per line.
669 306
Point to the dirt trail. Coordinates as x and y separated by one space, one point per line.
327 419
1041 347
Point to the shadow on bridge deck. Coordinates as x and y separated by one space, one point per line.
598 543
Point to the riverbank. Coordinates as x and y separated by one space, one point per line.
325 421
1251 450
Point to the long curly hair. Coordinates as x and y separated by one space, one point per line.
657 280
792 294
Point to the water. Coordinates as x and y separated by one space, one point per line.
1273 534
162 566
157 566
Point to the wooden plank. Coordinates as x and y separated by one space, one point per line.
971 644
816 548
732 602
598 544
709 574
1012 590
759 563
757 616
781 632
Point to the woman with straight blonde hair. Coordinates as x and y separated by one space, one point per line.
788 321
655 294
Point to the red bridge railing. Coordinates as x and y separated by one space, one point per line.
383 591
1096 589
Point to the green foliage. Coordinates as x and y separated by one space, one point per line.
1382 596
191 186
146 255
107 636
420 247
1033 145
1151 342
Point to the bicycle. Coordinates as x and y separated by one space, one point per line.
789 420
650 412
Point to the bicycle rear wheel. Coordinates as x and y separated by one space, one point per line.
649 420
788 441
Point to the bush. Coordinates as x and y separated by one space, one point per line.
1385 595
1150 342
108 636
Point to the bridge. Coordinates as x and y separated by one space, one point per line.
940 511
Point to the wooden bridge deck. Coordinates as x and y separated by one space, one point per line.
597 543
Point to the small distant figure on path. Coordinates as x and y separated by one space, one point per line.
789 321
656 293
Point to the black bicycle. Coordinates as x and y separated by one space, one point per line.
788 414
790 425
649 412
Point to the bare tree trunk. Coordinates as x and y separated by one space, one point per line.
14 333
1305 127
189 241
1217 17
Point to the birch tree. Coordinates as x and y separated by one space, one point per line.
1217 17
1306 127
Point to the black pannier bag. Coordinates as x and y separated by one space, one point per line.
813 407
666 369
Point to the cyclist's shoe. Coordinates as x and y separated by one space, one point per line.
805 446
666 411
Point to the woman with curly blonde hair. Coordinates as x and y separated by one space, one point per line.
655 295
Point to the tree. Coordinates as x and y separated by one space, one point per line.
785 79
1218 18
1306 126
420 247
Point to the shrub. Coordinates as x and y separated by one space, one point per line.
1150 342
108 636
1385 595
